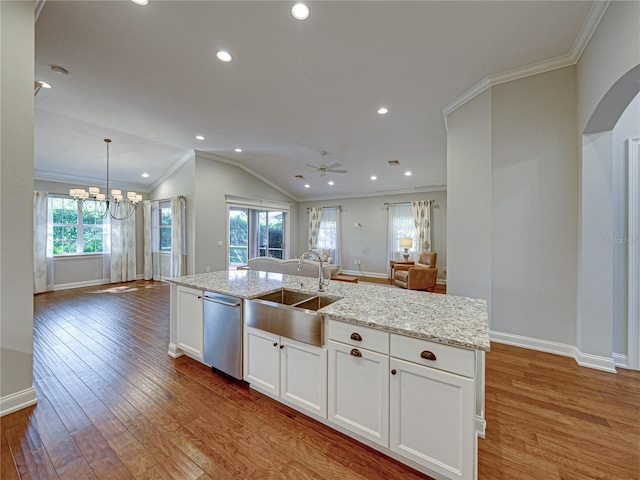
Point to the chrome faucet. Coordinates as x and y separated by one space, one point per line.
321 281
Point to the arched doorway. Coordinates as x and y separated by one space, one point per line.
608 275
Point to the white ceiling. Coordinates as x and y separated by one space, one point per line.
148 78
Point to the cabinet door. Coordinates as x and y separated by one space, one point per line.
433 418
359 391
190 324
262 360
303 375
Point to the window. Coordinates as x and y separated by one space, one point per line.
75 230
164 223
255 233
401 225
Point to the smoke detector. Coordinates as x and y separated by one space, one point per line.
394 163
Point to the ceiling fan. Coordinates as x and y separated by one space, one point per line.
324 169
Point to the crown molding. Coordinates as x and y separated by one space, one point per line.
589 26
73 180
592 21
380 193
171 170
216 158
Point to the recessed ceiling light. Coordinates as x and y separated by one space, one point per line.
237 150
43 84
199 137
330 182
407 173
224 56
59 70
300 11
383 110
140 2
306 185
145 175
373 177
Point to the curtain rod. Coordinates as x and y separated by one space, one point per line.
403 203
334 206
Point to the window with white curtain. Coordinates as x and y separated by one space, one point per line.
329 233
401 225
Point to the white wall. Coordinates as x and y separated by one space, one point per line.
16 205
369 242
534 171
78 270
205 182
627 127
611 53
469 200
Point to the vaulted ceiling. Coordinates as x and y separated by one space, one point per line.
297 93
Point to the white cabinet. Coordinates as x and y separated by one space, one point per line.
359 391
294 371
432 418
190 322
359 381
432 405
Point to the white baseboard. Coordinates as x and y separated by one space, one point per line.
87 283
66 286
481 426
583 359
175 351
17 401
358 273
621 360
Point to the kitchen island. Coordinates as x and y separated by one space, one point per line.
399 370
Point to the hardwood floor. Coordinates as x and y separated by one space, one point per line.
112 404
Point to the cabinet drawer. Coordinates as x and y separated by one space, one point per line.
359 336
451 359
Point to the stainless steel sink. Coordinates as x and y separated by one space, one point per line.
286 296
290 313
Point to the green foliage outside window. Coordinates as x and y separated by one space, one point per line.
76 231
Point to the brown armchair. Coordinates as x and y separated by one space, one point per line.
420 276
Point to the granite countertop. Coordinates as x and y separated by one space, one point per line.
447 319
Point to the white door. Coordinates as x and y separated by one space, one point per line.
190 322
359 391
262 360
303 375
433 418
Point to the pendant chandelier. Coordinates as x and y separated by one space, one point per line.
111 204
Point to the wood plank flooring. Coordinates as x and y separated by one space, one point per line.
112 404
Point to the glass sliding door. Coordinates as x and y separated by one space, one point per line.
255 233
238 236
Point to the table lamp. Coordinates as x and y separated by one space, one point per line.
406 243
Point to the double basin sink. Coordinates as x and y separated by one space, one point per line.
290 313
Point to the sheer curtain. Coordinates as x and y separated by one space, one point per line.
422 221
178 236
329 237
401 225
41 241
123 248
151 218
315 218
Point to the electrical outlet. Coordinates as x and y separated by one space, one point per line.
355 262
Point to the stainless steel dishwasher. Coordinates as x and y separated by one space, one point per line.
223 333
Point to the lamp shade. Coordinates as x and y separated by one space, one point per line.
406 242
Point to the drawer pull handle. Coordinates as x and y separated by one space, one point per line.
427 355
281 347
356 337
355 352
393 372
275 344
